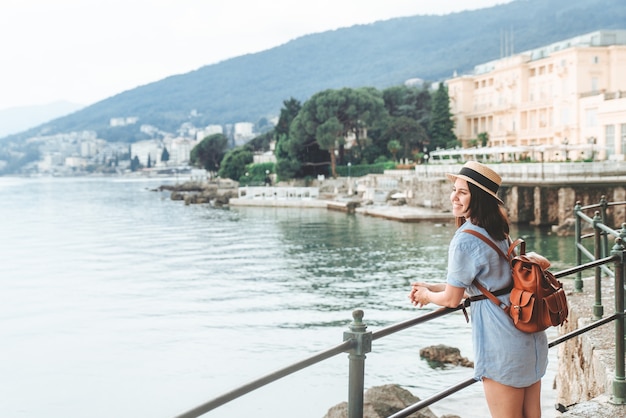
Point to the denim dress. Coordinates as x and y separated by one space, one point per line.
501 352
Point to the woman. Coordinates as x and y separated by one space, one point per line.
509 362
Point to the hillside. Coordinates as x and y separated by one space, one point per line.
381 54
18 119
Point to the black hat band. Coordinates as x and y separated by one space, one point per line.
476 176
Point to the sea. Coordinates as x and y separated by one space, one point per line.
117 301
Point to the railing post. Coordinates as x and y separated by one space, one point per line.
619 383
605 241
622 235
362 345
578 281
598 309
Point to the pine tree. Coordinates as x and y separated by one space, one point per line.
165 155
441 123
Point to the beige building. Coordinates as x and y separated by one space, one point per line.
563 101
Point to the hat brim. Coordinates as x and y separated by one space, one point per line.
453 177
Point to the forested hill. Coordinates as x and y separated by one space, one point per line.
381 54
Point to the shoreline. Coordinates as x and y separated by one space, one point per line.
403 213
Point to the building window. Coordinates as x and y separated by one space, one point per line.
609 134
594 84
595 59
623 129
565 116
591 116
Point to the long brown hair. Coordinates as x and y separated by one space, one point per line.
485 211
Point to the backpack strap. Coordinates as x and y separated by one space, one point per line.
490 243
493 297
480 287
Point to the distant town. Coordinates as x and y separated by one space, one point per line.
79 153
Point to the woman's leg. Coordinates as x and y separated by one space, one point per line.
532 401
509 402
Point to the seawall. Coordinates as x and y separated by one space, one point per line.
586 369
530 195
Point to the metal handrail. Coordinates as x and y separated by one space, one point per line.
267 379
601 246
383 332
468 382
358 341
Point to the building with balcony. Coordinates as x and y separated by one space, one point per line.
564 101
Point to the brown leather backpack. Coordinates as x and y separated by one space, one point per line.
538 299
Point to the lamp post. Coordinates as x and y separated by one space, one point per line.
349 181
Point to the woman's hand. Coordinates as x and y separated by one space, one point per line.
438 293
419 295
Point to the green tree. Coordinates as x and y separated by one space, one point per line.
165 155
234 164
287 154
483 138
408 101
409 132
357 110
135 164
262 142
209 152
304 157
352 109
394 146
441 123
329 137
288 113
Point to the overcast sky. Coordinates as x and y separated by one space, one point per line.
84 51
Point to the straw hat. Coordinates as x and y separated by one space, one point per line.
481 176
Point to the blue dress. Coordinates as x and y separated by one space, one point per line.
501 352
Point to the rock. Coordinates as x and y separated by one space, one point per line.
197 193
568 228
439 355
381 402
397 202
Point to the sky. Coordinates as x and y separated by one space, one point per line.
84 51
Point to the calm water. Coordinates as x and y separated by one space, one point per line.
118 302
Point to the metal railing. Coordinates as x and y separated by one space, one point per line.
357 341
601 233
280 193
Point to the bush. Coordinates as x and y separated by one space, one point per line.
256 174
365 169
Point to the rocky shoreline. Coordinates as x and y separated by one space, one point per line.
225 194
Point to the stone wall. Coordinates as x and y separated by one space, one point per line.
587 362
532 203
